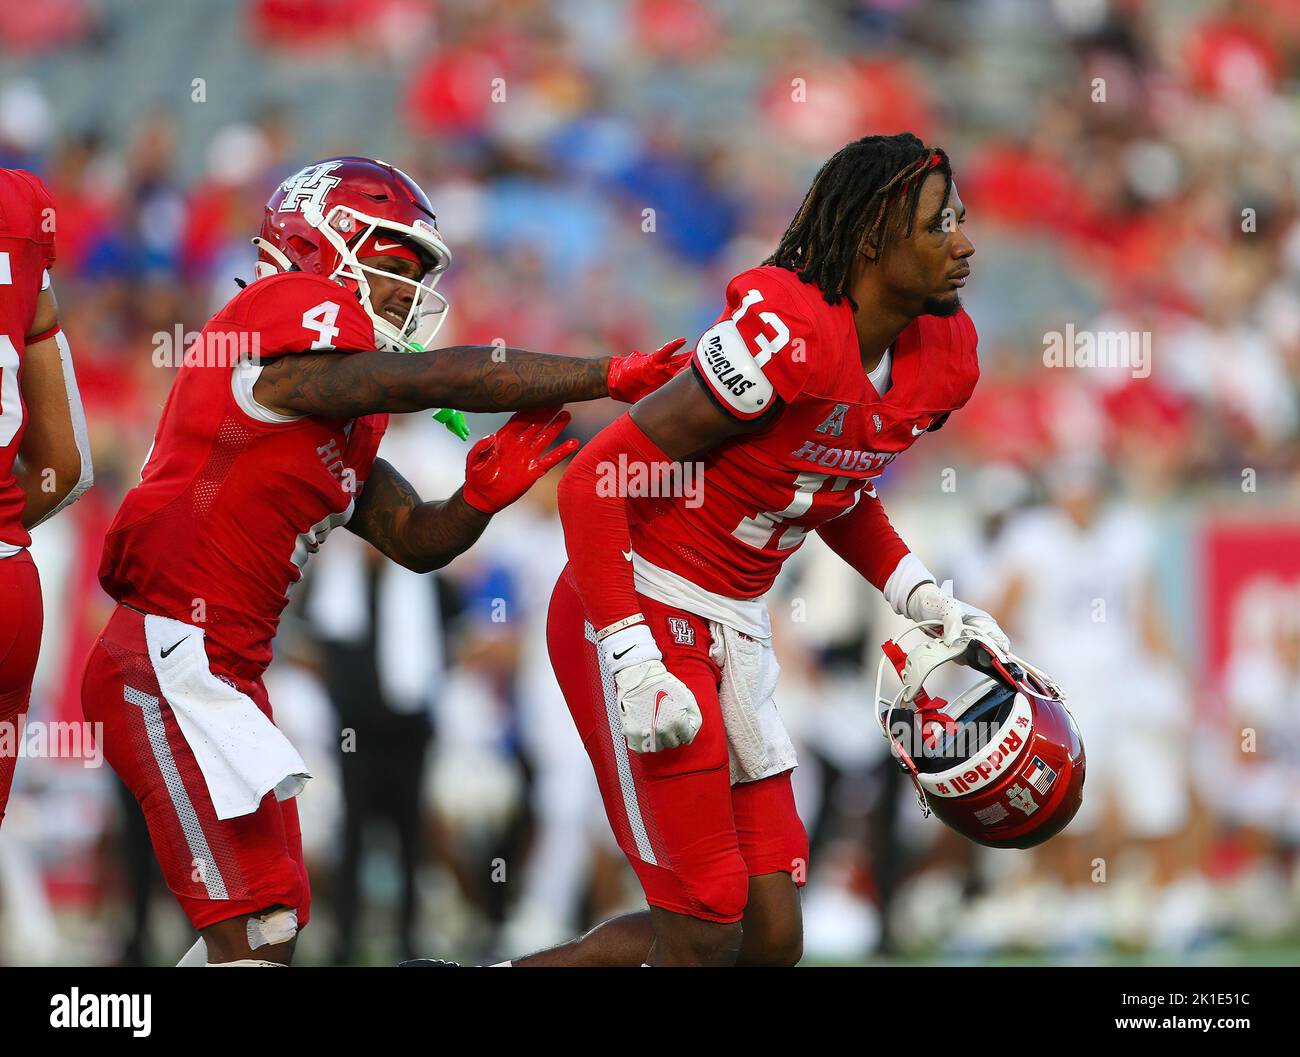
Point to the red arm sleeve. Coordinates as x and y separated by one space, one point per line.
865 539
593 512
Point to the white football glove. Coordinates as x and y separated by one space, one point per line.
659 711
925 658
927 602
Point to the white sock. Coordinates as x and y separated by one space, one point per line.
195 957
502 965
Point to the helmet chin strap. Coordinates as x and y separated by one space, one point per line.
898 658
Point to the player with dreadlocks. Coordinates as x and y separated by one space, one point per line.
826 364
864 198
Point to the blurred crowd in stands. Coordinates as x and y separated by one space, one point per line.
1131 169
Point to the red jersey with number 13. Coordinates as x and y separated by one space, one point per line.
764 492
232 502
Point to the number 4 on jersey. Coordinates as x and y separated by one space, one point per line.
321 320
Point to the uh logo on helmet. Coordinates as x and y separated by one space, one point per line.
330 217
1003 763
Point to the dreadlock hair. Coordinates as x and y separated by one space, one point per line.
865 194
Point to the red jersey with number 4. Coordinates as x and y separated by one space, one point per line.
232 502
26 250
764 492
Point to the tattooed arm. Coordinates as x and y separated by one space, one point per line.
500 468
466 377
420 536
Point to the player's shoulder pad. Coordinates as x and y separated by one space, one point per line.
291 291
294 284
298 312
952 352
26 208
748 357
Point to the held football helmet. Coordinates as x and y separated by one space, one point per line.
1003 762
327 216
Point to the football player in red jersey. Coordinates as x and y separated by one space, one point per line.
44 449
827 362
257 457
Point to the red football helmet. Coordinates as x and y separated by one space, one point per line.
1003 762
327 215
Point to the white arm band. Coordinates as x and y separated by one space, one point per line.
909 572
78 416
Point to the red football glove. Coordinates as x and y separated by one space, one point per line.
503 466
640 373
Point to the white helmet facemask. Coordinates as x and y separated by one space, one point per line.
428 308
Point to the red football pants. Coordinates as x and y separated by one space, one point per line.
21 618
217 869
692 837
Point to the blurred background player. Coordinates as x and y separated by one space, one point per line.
44 450
379 637
570 837
1076 583
259 456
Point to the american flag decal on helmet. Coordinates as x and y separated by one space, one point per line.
1040 776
